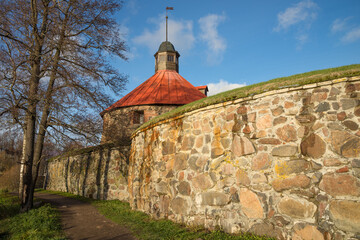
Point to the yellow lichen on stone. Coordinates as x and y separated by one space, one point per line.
280 169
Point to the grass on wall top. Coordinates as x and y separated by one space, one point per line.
258 88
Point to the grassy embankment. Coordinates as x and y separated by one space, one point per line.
146 228
258 88
41 223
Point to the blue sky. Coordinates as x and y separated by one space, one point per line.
230 43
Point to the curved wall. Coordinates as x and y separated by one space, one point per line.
284 163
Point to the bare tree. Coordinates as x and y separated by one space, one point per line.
54 71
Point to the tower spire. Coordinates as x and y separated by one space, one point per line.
167 8
167 58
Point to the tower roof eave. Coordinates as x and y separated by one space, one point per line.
165 87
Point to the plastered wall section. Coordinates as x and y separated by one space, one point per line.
284 163
101 174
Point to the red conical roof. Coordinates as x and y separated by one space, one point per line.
164 87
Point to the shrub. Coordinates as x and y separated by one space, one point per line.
9 180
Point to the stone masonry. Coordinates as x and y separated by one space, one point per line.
100 174
118 124
284 163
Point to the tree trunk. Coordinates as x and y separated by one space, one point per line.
49 92
22 168
27 198
33 184
26 204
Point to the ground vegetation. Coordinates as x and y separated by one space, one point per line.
39 223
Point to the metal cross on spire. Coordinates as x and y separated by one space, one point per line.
167 8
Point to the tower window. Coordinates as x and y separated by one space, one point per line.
138 117
170 58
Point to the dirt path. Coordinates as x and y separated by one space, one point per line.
81 220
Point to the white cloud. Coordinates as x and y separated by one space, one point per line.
352 35
339 25
180 34
124 30
124 34
302 39
209 34
222 86
304 11
350 32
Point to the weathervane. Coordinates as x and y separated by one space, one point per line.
167 8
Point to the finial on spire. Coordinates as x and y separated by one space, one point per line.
167 8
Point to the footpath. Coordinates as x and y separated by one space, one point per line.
81 220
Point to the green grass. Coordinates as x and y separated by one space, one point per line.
9 205
40 223
146 228
274 84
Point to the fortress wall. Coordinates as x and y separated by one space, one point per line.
100 174
284 163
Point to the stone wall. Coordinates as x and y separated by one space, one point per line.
284 163
118 123
99 174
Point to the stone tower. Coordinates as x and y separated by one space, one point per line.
167 58
163 92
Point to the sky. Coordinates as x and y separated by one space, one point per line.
231 43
